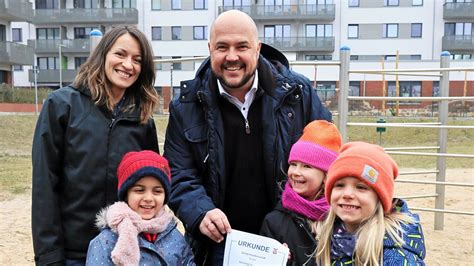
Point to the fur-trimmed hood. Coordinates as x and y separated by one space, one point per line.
127 224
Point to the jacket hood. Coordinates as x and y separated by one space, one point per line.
413 234
266 51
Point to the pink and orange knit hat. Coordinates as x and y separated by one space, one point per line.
135 165
318 146
369 163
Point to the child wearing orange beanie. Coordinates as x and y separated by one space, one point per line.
365 224
138 230
303 204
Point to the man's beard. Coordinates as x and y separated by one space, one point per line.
242 82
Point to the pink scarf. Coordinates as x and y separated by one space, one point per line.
128 224
315 210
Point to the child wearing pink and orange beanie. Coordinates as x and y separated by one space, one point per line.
303 206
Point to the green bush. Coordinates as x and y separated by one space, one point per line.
21 95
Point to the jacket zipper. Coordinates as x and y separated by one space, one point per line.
247 126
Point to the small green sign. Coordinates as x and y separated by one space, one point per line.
381 129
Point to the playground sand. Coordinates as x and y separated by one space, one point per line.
454 245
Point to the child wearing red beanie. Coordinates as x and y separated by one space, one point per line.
138 229
303 204
366 225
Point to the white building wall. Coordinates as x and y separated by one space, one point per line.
429 46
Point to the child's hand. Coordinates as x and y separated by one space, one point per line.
289 251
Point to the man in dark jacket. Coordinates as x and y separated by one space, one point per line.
229 135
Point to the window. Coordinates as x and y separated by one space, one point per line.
48 62
155 4
326 90
200 4
319 30
47 33
82 32
16 35
176 65
459 29
176 33
417 2
158 66
353 31
416 30
406 89
435 88
354 57
312 57
124 3
176 92
391 2
3 33
461 56
390 30
354 88
17 68
156 33
47 4
175 4
200 32
390 57
277 34
78 61
353 3
83 4
415 57
236 3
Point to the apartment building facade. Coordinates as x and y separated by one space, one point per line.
388 33
14 53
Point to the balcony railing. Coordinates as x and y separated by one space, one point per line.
298 12
460 43
52 75
16 10
298 44
16 54
458 11
69 46
86 15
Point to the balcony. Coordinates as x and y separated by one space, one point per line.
287 12
301 44
52 75
458 43
455 11
16 10
86 15
16 54
69 46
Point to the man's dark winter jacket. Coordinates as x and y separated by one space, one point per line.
77 147
294 230
194 137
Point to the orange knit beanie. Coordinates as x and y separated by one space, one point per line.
369 163
318 146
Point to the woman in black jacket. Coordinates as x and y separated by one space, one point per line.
303 206
80 137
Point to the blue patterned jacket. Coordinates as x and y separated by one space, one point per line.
411 253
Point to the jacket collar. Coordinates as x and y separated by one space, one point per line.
274 78
134 113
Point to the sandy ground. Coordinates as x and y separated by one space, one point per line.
452 246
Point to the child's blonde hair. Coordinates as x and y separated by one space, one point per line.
370 236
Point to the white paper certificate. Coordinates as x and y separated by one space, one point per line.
242 248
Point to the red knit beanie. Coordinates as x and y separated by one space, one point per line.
369 163
318 146
135 165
